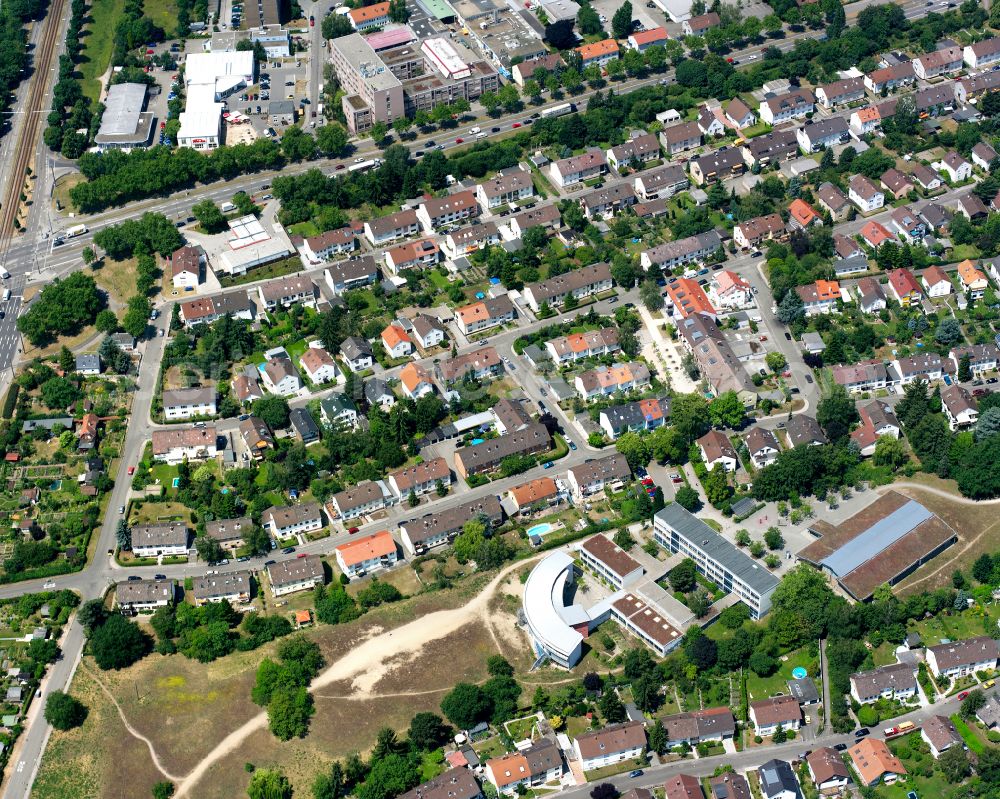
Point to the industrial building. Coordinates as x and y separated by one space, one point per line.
125 125
210 78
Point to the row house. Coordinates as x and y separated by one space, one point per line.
360 499
834 201
908 225
982 357
481 364
598 54
841 92
701 726
683 251
896 681
606 380
543 216
903 286
613 744
717 165
647 414
367 554
422 478
488 455
686 297
739 115
285 292
819 297
351 274
865 194
506 187
295 574
286 521
680 138
890 78
755 231
154 540
637 150
440 211
607 201
660 183
982 54
179 444
926 366
936 282
898 183
142 595
786 107
580 283
940 62
388 228
865 120
487 313
433 529
470 238
187 403
536 495
205 310
325 246
592 344
539 763
975 86
960 407
962 658
862 377
590 478
822 134
933 100
729 290
769 148
578 168
412 255
716 360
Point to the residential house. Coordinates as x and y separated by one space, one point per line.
802 215
709 122
974 282
683 251
680 138
480 364
421 478
822 134
598 54
419 254
535 765
339 411
685 297
347 275
187 403
971 207
767 715
875 234
366 554
896 182
729 290
877 420
739 115
175 444
955 167
361 499
525 70
716 165
370 17
896 681
640 149
318 365
871 298
937 217
841 92
646 414
762 446
141 595
802 430
456 783
416 381
280 376
865 194
185 267
940 62
770 148
755 231
940 735
613 744
962 658
437 212
285 292
827 771
487 313
729 785
982 54
682 786
232 587
983 155
660 183
699 726
890 78
865 120
292 520
578 168
488 455
385 229
604 380
794 104
88 365
590 478
716 360
903 286
641 40
819 297
230 534
86 433
926 178
777 780
427 331
716 448
154 540
908 225
295 574
989 714
323 247
701 24
591 344
833 200
506 187
534 495
246 387
357 354
607 200
256 436
396 342
580 283
875 763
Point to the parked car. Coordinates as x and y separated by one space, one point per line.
862 732
353 530
962 695
287 550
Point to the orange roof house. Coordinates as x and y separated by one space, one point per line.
875 234
803 213
412 376
508 769
370 547
393 336
540 490
606 49
972 278
359 16
689 298
875 763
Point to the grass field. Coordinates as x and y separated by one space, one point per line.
118 279
162 13
98 42
763 687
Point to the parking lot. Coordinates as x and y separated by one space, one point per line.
649 17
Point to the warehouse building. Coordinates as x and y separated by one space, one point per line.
125 125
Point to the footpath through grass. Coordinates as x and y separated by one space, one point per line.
98 43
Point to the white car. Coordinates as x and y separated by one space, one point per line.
49 584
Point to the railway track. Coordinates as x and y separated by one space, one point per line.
27 141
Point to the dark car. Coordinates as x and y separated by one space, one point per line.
840 747
270 562
287 550
494 130
809 378
159 577
862 732
132 578
788 336
636 773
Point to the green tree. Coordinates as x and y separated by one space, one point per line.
684 576
650 296
621 21
611 707
687 498
466 705
136 318
288 713
106 321
588 21
272 410
965 368
635 449
389 777
727 410
836 413
973 702
954 764
209 216
791 308
717 486
427 731
774 539
776 362
269 783
163 790
118 643
64 712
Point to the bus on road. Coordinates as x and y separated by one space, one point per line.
559 110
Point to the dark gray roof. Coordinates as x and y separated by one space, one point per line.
303 424
375 389
804 690
732 558
776 776
802 429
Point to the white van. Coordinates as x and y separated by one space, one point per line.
227 208
6 295
5 274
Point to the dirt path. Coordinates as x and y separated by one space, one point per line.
957 498
131 730
365 666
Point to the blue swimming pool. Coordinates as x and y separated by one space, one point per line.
478 440
540 529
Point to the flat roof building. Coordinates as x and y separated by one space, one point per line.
124 124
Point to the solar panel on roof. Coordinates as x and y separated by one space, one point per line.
877 538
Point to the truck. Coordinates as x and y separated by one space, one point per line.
559 110
227 208
900 729
364 166
75 230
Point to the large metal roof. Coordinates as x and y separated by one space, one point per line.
875 539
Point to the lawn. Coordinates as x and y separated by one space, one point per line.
280 268
763 687
962 251
304 229
958 626
117 278
440 281
98 42
973 741
153 512
162 13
